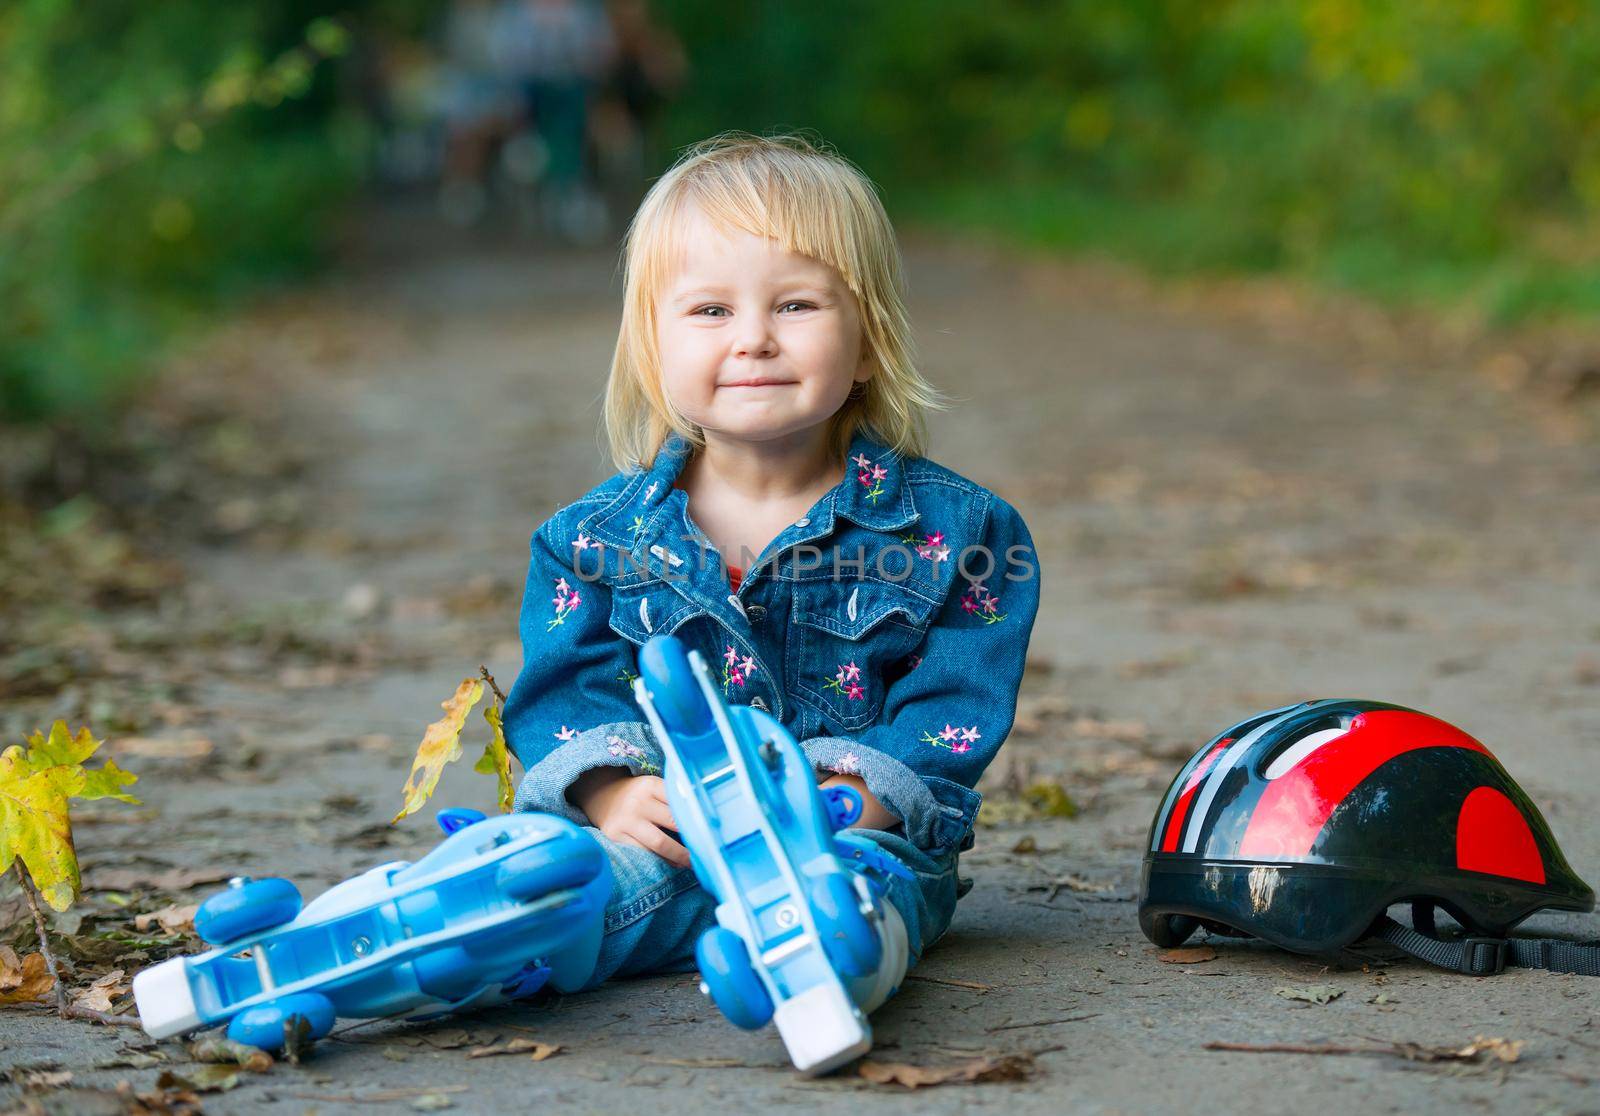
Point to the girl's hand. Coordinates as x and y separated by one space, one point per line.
631 809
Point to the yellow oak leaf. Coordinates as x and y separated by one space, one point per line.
441 745
496 759
36 784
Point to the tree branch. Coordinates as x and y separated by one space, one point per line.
63 1008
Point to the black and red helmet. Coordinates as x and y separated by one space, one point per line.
1303 825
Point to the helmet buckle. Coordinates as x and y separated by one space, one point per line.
1483 956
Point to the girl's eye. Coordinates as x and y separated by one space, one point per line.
802 305
706 310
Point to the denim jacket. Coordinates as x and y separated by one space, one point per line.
886 629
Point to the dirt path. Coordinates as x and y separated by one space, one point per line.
1230 516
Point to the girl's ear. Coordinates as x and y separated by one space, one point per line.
864 366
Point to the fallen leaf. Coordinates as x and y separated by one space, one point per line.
432 1102
1026 846
1002 1067
1051 799
539 1050
163 747
46 1079
1193 955
1312 994
99 995
225 1051
453 1038
136 879
441 745
297 1040
174 919
36 783
132 1059
202 1079
23 979
1503 1050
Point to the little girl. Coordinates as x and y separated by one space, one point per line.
774 512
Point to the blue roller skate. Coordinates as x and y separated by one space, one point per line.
801 939
501 907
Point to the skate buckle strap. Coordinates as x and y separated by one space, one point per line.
873 860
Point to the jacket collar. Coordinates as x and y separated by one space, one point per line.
874 493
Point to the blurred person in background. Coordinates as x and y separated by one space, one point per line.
478 107
648 68
557 53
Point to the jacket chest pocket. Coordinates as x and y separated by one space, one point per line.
649 609
842 649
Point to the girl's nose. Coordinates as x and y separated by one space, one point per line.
755 340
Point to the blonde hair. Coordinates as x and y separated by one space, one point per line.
812 202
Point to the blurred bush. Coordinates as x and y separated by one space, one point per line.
1416 149
154 160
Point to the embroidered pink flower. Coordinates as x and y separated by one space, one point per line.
930 547
979 602
632 753
735 670
870 476
844 681
848 764
958 740
584 542
565 602
566 733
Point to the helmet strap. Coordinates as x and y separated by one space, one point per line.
1485 956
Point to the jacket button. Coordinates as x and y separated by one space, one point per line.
755 613
803 521
757 703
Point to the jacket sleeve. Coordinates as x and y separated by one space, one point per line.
571 708
944 720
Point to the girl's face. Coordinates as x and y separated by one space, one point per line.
756 343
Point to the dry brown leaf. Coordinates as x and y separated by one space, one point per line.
23 979
161 747
1001 1067
134 879
1193 955
1500 1049
1504 1050
538 1051
173 919
224 1051
100 995
39 1080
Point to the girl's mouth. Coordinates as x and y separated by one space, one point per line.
758 381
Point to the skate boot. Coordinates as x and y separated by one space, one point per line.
805 937
501 907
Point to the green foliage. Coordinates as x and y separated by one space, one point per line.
1425 149
153 160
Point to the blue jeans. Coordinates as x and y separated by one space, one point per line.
657 911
